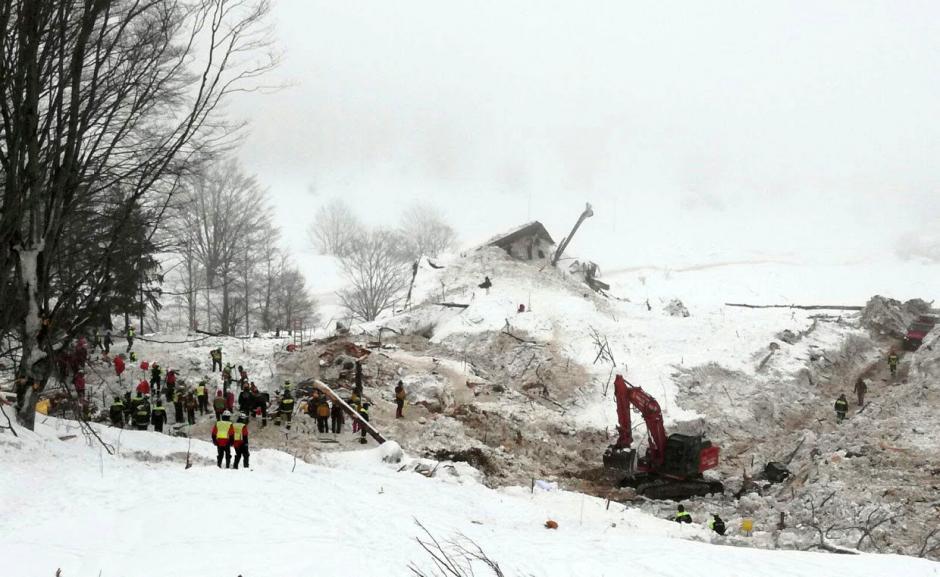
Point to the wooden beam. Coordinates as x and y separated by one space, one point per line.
802 307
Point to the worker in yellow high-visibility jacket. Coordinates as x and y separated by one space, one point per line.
223 436
240 439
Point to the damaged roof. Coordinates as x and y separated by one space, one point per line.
534 228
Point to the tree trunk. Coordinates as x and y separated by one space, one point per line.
34 364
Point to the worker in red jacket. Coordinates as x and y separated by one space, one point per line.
241 439
230 400
223 436
78 381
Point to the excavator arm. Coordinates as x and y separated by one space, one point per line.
627 395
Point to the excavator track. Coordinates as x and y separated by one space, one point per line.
662 488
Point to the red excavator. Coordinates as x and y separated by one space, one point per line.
672 466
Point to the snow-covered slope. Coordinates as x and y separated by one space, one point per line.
69 505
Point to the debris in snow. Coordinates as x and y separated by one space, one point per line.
675 308
889 317
551 524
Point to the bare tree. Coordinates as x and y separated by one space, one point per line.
97 97
375 269
226 213
334 228
424 232
454 558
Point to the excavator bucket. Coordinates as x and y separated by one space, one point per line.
620 459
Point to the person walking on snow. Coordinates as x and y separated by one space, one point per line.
860 389
143 387
202 394
107 342
158 416
240 439
682 516
156 375
191 404
337 418
716 524
893 362
78 381
364 413
399 400
142 413
117 412
322 408
170 385
130 338
216 355
178 405
244 400
223 436
842 407
218 403
285 408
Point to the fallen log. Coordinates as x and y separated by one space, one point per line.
325 389
801 307
453 305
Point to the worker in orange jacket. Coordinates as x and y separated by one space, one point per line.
240 439
223 436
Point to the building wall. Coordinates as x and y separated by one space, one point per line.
541 250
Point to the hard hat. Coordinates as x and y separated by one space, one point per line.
226 413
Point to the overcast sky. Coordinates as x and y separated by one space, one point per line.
700 131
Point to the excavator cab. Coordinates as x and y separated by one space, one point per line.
687 456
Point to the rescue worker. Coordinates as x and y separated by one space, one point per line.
133 356
117 412
323 415
260 401
203 396
364 413
399 399
130 338
190 404
288 385
226 377
242 376
230 400
337 418
96 342
218 403
170 385
285 409
216 355
156 375
143 387
860 389
107 342
178 405
842 406
223 436
245 400
893 362
129 405
355 401
682 516
78 381
158 416
240 439
142 413
716 524
486 284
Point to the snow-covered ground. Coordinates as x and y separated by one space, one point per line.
69 505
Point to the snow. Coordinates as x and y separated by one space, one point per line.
142 513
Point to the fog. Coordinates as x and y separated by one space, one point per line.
700 131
